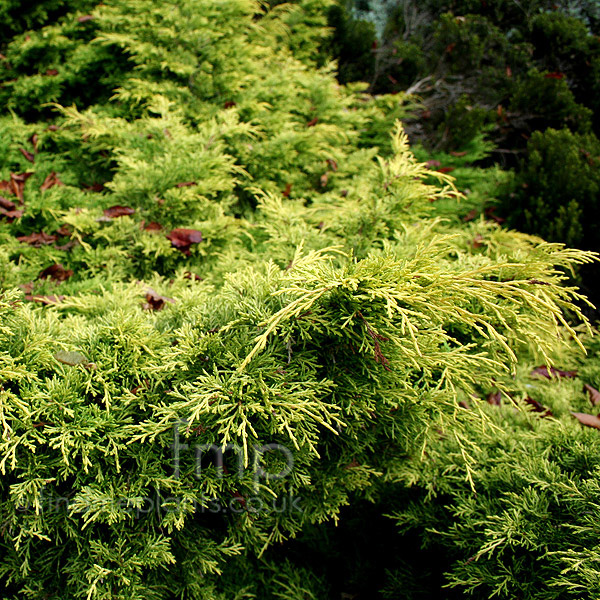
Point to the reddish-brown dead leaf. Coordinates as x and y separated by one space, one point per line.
27 287
593 394
153 226
324 179
494 398
229 104
445 169
95 187
190 275
64 230
16 184
313 122
155 301
85 18
555 75
186 184
37 239
53 127
332 164
6 204
288 190
587 420
470 215
183 238
489 213
56 272
51 72
433 164
455 153
542 371
50 181
34 141
477 241
538 407
118 211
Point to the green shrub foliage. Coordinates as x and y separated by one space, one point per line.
230 306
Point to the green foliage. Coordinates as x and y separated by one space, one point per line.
558 188
326 314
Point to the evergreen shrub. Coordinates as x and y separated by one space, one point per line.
229 308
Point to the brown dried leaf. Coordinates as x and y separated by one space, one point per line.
593 394
495 398
153 226
324 179
155 301
587 420
118 211
85 18
538 407
34 141
186 184
332 164
313 122
6 204
51 72
288 190
542 371
470 215
50 181
56 272
184 238
37 239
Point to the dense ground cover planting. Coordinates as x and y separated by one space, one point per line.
243 328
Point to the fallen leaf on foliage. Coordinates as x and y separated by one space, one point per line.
45 299
538 407
95 187
433 164
184 238
53 127
153 226
70 358
470 216
543 372
288 190
332 164
445 169
155 301
6 204
489 213
555 75
324 179
186 184
28 155
26 287
64 230
11 214
51 72
313 122
538 282
190 275
118 211
85 18
34 141
229 104
454 153
494 398
587 420
50 181
56 272
477 241
16 184
37 239
593 394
